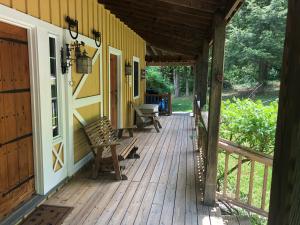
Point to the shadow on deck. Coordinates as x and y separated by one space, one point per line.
162 186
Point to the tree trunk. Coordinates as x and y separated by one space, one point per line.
187 91
263 73
176 83
193 74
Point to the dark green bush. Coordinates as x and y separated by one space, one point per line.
156 81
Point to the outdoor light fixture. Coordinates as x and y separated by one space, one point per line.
97 37
128 68
83 61
71 25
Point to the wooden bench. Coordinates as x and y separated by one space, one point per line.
109 147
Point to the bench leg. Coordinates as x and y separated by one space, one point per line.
155 125
159 125
130 131
96 165
120 133
116 163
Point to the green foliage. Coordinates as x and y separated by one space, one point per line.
182 104
254 41
158 82
184 72
250 123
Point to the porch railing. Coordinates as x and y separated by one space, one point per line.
163 100
247 163
240 164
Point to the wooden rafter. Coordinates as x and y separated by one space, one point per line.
179 26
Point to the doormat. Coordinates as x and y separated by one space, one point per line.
48 215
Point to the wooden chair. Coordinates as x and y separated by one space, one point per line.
109 147
144 120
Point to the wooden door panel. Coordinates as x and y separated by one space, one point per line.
26 151
3 170
16 151
12 164
23 161
9 117
21 69
113 90
2 134
23 113
6 65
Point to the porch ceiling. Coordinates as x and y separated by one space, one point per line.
176 26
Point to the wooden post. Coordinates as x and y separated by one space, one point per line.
201 74
214 108
285 198
204 73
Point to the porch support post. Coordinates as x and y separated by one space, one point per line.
285 198
214 108
204 73
201 74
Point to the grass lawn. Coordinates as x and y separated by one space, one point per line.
182 104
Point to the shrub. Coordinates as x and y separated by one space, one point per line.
250 123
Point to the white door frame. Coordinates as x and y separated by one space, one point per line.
38 39
118 53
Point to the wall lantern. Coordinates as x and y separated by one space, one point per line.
83 61
71 25
143 73
97 37
128 69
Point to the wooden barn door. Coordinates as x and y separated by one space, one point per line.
16 149
114 90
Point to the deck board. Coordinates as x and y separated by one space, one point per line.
162 186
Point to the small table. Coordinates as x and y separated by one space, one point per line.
149 108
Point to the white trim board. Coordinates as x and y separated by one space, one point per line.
118 53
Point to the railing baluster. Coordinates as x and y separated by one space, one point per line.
238 180
264 189
225 173
251 182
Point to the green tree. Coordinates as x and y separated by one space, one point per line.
254 42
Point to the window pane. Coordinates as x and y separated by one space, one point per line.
136 79
52 46
54 90
53 67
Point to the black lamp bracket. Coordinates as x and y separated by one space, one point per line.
71 25
97 37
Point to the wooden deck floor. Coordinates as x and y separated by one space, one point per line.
162 186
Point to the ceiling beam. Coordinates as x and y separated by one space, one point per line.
160 15
189 28
170 4
188 63
232 7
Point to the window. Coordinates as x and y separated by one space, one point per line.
54 87
136 77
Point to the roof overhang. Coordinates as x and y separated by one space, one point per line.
176 26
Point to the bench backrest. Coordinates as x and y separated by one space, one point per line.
100 132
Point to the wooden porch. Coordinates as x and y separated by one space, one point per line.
162 187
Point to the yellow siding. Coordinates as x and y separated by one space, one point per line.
115 33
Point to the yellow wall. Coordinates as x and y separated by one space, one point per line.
91 15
